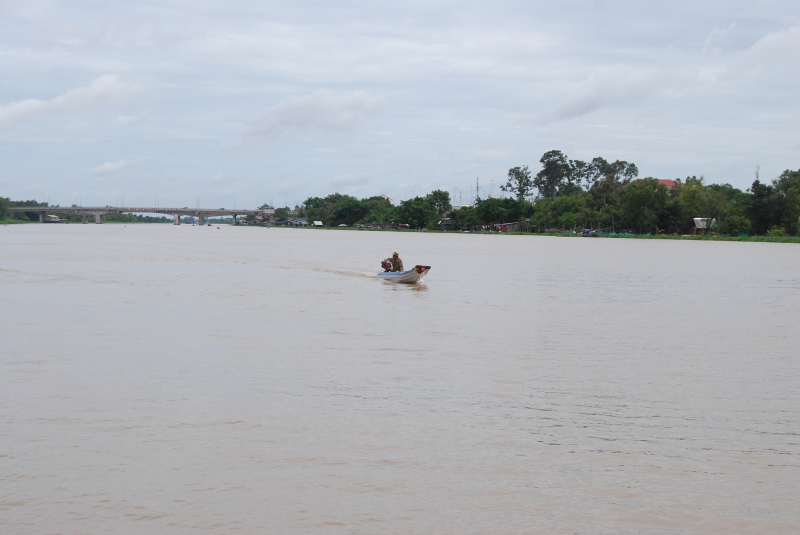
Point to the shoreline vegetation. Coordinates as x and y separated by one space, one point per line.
565 197
762 239
599 198
759 239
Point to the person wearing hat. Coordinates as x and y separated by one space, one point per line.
397 264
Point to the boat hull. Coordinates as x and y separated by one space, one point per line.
406 277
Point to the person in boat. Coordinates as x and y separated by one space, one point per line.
392 264
397 264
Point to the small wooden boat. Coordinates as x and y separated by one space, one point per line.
409 277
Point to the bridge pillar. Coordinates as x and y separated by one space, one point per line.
41 217
177 219
234 220
201 220
85 219
98 219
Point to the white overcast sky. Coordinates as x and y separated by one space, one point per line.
283 100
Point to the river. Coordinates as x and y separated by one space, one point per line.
162 379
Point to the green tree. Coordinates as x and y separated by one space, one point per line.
466 218
567 211
4 213
735 225
282 214
491 211
702 202
417 212
671 217
554 174
321 208
776 232
519 182
379 209
441 200
763 208
600 169
643 202
562 213
349 211
787 185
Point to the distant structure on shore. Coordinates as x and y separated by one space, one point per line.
202 214
664 182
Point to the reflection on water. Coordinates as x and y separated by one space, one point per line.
419 286
161 379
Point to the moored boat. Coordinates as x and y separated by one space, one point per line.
408 277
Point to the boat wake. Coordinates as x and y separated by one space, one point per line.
350 272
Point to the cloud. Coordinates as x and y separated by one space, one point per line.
718 35
78 127
223 177
612 86
622 85
104 89
452 153
322 111
110 168
674 87
353 179
125 120
777 50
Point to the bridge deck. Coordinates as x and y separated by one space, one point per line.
93 210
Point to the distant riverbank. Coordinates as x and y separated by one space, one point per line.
763 239
767 239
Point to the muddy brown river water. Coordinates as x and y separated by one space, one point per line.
191 380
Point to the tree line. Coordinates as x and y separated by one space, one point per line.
563 195
570 194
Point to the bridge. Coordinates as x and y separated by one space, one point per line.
98 212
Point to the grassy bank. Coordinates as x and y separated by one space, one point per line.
769 239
